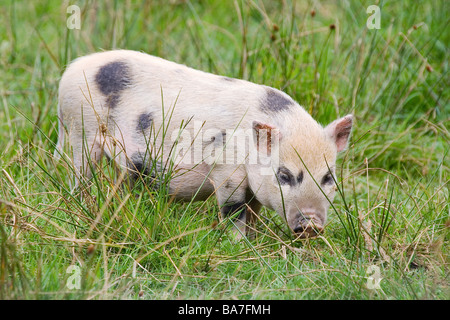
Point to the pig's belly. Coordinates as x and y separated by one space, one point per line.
188 183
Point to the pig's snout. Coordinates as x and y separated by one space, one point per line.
307 226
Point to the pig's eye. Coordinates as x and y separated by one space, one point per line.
327 179
285 176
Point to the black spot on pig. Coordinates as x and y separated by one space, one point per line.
232 208
275 101
139 163
113 100
111 79
144 122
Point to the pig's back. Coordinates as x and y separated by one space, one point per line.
124 82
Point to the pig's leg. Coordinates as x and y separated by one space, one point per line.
252 210
234 197
87 152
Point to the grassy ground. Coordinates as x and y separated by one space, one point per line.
392 211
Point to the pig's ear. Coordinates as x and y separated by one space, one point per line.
339 131
266 136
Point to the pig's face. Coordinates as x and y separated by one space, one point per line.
302 185
303 190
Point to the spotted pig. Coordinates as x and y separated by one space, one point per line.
251 145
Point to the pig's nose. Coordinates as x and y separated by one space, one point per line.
308 228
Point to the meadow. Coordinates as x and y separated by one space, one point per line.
387 236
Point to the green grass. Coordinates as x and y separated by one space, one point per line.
392 208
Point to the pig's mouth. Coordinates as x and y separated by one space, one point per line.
308 228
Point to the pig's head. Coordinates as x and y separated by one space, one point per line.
301 184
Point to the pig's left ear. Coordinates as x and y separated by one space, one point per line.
339 131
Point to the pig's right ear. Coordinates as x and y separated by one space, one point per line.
339 131
266 136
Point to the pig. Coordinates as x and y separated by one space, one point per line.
130 107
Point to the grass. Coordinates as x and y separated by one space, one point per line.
392 208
